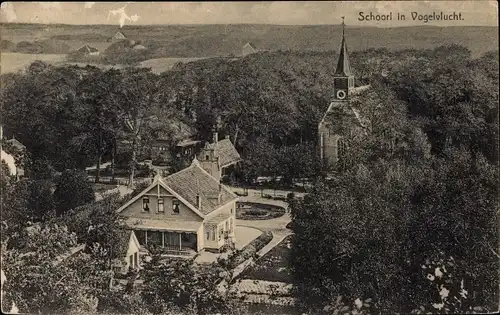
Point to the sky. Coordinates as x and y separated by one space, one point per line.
477 13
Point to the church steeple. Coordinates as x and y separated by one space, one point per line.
343 78
343 66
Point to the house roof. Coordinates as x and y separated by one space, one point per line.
15 143
187 184
119 35
225 151
250 45
159 181
167 225
124 236
216 219
187 143
193 181
87 49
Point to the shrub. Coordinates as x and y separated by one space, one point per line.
256 212
250 250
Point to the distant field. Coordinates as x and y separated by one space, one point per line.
160 65
190 41
13 62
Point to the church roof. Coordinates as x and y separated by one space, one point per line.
225 151
343 66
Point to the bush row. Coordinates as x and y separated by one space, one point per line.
239 256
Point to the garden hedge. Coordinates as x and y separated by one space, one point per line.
250 250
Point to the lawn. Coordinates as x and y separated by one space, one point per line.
100 188
273 266
258 211
159 65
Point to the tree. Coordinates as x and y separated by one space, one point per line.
39 280
72 190
98 223
191 288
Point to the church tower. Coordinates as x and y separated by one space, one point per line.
343 79
335 126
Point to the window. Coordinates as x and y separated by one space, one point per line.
145 204
208 236
214 231
207 157
160 205
131 261
175 205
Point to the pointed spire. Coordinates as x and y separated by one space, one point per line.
343 66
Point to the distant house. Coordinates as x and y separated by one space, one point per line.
88 50
248 49
119 36
188 148
185 213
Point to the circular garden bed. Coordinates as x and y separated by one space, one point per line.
258 211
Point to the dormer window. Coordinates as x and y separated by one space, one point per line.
176 206
145 204
207 157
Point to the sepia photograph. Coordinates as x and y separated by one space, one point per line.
249 158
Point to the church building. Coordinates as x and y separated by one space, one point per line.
341 121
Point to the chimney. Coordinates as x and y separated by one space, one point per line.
216 136
227 137
198 201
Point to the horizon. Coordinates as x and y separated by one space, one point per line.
475 13
241 24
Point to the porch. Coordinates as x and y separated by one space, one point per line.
171 242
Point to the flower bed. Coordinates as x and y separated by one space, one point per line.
258 211
273 266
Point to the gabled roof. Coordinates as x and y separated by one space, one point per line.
120 35
87 49
250 45
159 181
225 151
124 237
193 181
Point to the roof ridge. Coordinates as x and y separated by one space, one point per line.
218 182
183 170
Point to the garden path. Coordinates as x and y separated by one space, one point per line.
277 226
